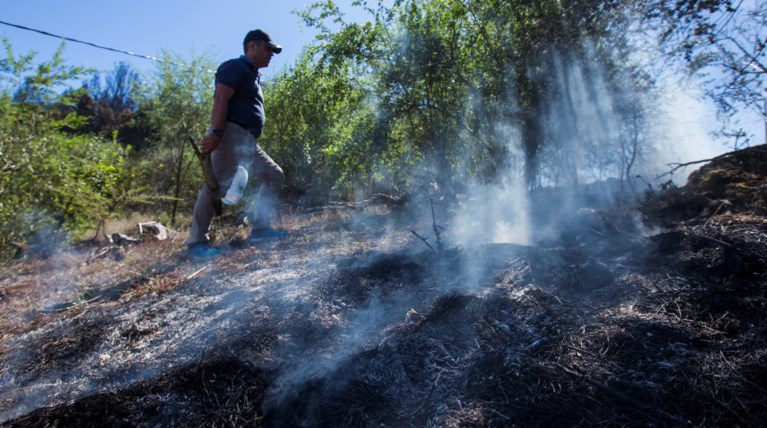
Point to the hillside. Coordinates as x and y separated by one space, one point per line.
353 321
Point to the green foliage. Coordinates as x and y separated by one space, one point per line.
312 114
39 86
423 92
51 179
177 101
436 85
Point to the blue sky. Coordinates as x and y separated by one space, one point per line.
147 26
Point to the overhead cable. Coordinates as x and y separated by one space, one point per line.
107 48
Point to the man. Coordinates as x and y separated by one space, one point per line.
236 122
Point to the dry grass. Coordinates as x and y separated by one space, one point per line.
40 288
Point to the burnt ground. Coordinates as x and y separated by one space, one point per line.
353 321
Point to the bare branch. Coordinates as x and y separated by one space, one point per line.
675 166
425 241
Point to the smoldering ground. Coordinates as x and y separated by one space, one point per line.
294 314
355 321
299 310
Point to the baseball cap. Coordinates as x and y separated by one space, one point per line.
259 35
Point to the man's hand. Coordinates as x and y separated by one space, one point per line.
209 143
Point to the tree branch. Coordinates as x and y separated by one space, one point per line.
675 166
425 241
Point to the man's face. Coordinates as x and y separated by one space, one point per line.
260 54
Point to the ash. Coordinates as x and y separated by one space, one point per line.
352 321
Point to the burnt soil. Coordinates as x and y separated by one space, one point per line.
644 315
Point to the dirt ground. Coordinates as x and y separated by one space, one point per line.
650 315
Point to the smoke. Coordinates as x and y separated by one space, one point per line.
586 140
580 129
319 359
682 131
497 214
598 134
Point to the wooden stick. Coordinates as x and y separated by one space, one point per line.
195 274
424 240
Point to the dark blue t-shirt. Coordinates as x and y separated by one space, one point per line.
246 107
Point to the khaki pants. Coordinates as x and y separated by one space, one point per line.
238 147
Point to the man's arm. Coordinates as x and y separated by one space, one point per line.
217 116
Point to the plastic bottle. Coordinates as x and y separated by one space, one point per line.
235 191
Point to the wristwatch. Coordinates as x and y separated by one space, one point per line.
217 132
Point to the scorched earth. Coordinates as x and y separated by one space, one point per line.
650 313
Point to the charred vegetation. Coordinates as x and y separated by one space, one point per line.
606 321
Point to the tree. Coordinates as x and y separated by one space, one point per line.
51 179
178 99
109 107
725 43
38 87
445 76
310 110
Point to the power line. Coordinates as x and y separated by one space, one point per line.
81 41
106 48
